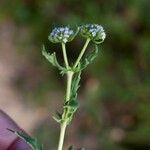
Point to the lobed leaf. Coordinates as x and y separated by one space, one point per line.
52 59
89 58
33 143
75 85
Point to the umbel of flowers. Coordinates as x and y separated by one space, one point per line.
94 32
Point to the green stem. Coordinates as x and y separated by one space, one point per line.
68 90
81 54
65 55
67 98
64 124
62 135
69 82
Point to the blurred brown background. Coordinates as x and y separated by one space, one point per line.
115 90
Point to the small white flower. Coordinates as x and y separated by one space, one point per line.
103 35
61 29
93 34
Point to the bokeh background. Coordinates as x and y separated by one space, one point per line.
114 111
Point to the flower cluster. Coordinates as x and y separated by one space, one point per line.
94 32
61 35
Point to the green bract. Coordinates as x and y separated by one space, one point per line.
94 32
61 35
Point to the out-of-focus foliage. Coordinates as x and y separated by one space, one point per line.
115 106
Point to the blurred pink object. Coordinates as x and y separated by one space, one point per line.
8 140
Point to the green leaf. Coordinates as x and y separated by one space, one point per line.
52 59
72 105
33 143
75 85
89 58
58 117
69 109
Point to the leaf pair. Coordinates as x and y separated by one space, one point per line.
69 109
88 59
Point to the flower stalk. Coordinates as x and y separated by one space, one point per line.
65 55
81 53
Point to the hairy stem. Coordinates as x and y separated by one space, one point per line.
81 54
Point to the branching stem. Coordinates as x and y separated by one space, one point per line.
70 74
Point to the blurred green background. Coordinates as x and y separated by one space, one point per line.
114 111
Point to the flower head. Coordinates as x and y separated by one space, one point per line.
94 32
61 35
